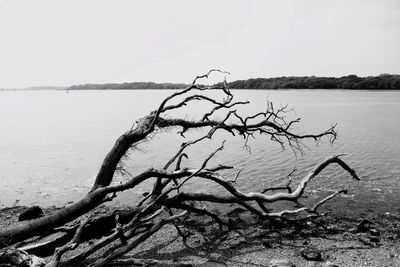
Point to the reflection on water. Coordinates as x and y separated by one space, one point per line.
52 143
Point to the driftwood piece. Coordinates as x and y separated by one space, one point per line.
169 200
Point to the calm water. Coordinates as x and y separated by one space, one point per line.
52 143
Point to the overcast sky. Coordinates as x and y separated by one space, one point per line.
72 42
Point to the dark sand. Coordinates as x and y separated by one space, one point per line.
255 243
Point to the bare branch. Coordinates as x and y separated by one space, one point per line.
70 246
207 74
281 195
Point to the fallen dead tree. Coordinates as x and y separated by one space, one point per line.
167 202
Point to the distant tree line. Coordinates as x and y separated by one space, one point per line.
133 85
383 81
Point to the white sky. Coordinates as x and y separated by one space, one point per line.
72 42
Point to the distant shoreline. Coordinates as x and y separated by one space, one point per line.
349 82
250 89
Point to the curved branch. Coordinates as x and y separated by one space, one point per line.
298 192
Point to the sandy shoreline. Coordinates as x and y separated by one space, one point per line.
257 243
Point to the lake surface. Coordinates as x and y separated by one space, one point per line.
52 143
